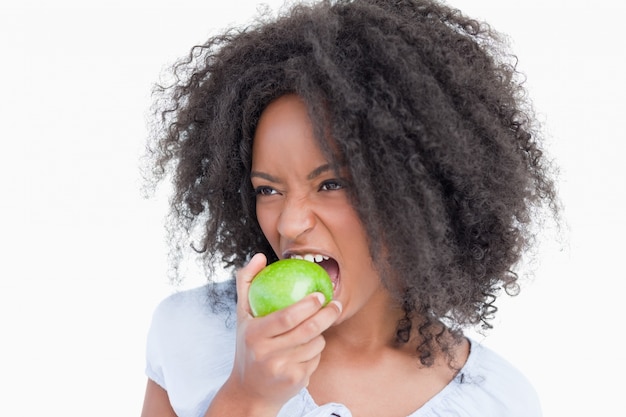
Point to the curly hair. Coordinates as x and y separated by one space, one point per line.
428 113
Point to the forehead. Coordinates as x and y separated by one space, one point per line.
284 127
285 130
288 112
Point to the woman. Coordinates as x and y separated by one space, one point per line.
389 140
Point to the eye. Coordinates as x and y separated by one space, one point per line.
331 185
264 190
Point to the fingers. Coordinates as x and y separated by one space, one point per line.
244 277
310 351
277 354
296 329
287 319
313 326
301 322
296 366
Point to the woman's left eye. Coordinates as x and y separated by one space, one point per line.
331 185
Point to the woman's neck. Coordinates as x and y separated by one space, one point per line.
371 329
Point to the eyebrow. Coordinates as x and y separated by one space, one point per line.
263 175
313 174
318 171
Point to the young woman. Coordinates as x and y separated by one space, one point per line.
390 142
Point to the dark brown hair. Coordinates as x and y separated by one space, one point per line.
428 111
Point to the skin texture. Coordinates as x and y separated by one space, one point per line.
303 206
156 402
429 120
438 173
304 209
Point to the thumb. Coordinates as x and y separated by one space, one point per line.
244 277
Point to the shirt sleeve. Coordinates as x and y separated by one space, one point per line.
190 349
154 345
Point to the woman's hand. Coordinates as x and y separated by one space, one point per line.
276 354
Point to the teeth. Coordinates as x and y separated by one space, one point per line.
311 257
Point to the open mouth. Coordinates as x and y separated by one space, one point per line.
329 264
332 268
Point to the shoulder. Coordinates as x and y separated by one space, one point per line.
487 386
190 345
209 308
210 302
499 383
188 326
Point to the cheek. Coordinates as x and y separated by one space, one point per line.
348 220
353 231
267 223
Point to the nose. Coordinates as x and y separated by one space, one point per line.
297 217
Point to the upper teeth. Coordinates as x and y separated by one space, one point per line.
311 257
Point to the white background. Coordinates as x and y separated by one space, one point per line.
83 254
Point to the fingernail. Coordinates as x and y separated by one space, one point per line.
321 298
338 304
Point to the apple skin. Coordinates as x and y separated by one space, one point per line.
284 282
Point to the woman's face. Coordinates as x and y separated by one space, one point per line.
302 204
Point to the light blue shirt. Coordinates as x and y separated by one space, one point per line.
190 351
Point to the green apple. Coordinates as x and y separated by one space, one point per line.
285 282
